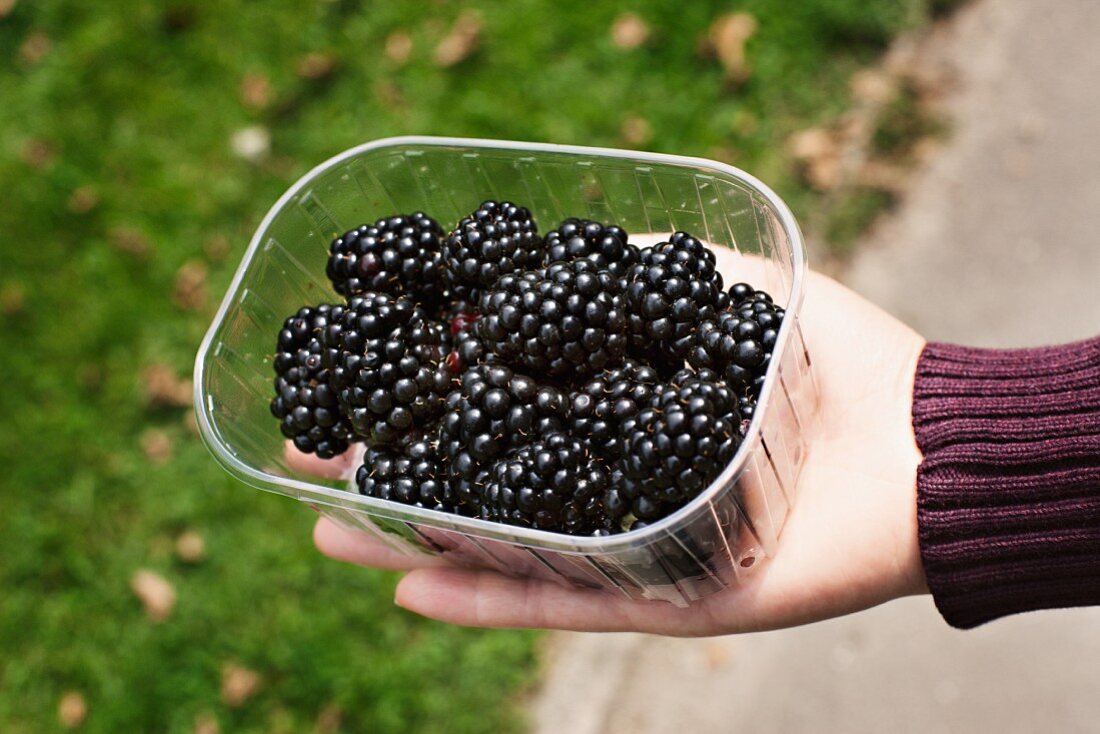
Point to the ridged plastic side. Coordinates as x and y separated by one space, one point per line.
705 547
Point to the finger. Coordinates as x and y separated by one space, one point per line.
335 468
352 546
488 599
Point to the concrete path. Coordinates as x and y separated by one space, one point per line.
996 245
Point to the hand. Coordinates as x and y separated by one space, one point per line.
850 542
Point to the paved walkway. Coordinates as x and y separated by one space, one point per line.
995 245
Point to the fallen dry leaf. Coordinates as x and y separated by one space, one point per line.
37 153
164 389
72 710
191 423
12 299
238 684
883 175
316 65
190 291
35 47
256 90
156 445
388 94
814 142
251 143
461 41
130 241
723 153
399 46
206 723
329 720
818 154
636 130
190 547
6 6
873 86
82 200
155 593
216 248
726 37
629 31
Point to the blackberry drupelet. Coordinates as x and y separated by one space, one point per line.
584 239
497 239
494 410
673 287
552 484
411 474
746 405
397 383
400 254
601 405
679 444
305 400
465 348
565 320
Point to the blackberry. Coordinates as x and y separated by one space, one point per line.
411 475
738 343
400 254
397 383
552 484
673 287
497 239
494 410
305 400
565 320
584 239
598 409
679 444
369 317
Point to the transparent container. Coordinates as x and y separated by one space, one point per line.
703 548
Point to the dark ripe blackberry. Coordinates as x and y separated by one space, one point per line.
552 484
494 410
497 239
673 287
411 474
397 384
565 320
599 407
584 239
366 321
738 343
400 254
679 444
305 400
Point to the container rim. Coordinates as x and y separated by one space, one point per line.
483 528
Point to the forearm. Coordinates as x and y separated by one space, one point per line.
1009 488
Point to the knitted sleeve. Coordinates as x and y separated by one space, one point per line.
1008 492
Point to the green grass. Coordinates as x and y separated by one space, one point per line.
132 107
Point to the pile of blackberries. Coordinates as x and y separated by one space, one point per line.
571 382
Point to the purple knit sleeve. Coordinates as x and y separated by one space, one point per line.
1008 493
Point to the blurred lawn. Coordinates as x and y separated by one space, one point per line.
117 171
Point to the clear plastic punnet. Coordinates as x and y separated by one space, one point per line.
710 544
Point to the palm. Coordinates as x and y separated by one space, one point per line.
850 541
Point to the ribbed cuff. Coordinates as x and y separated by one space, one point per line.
1008 493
